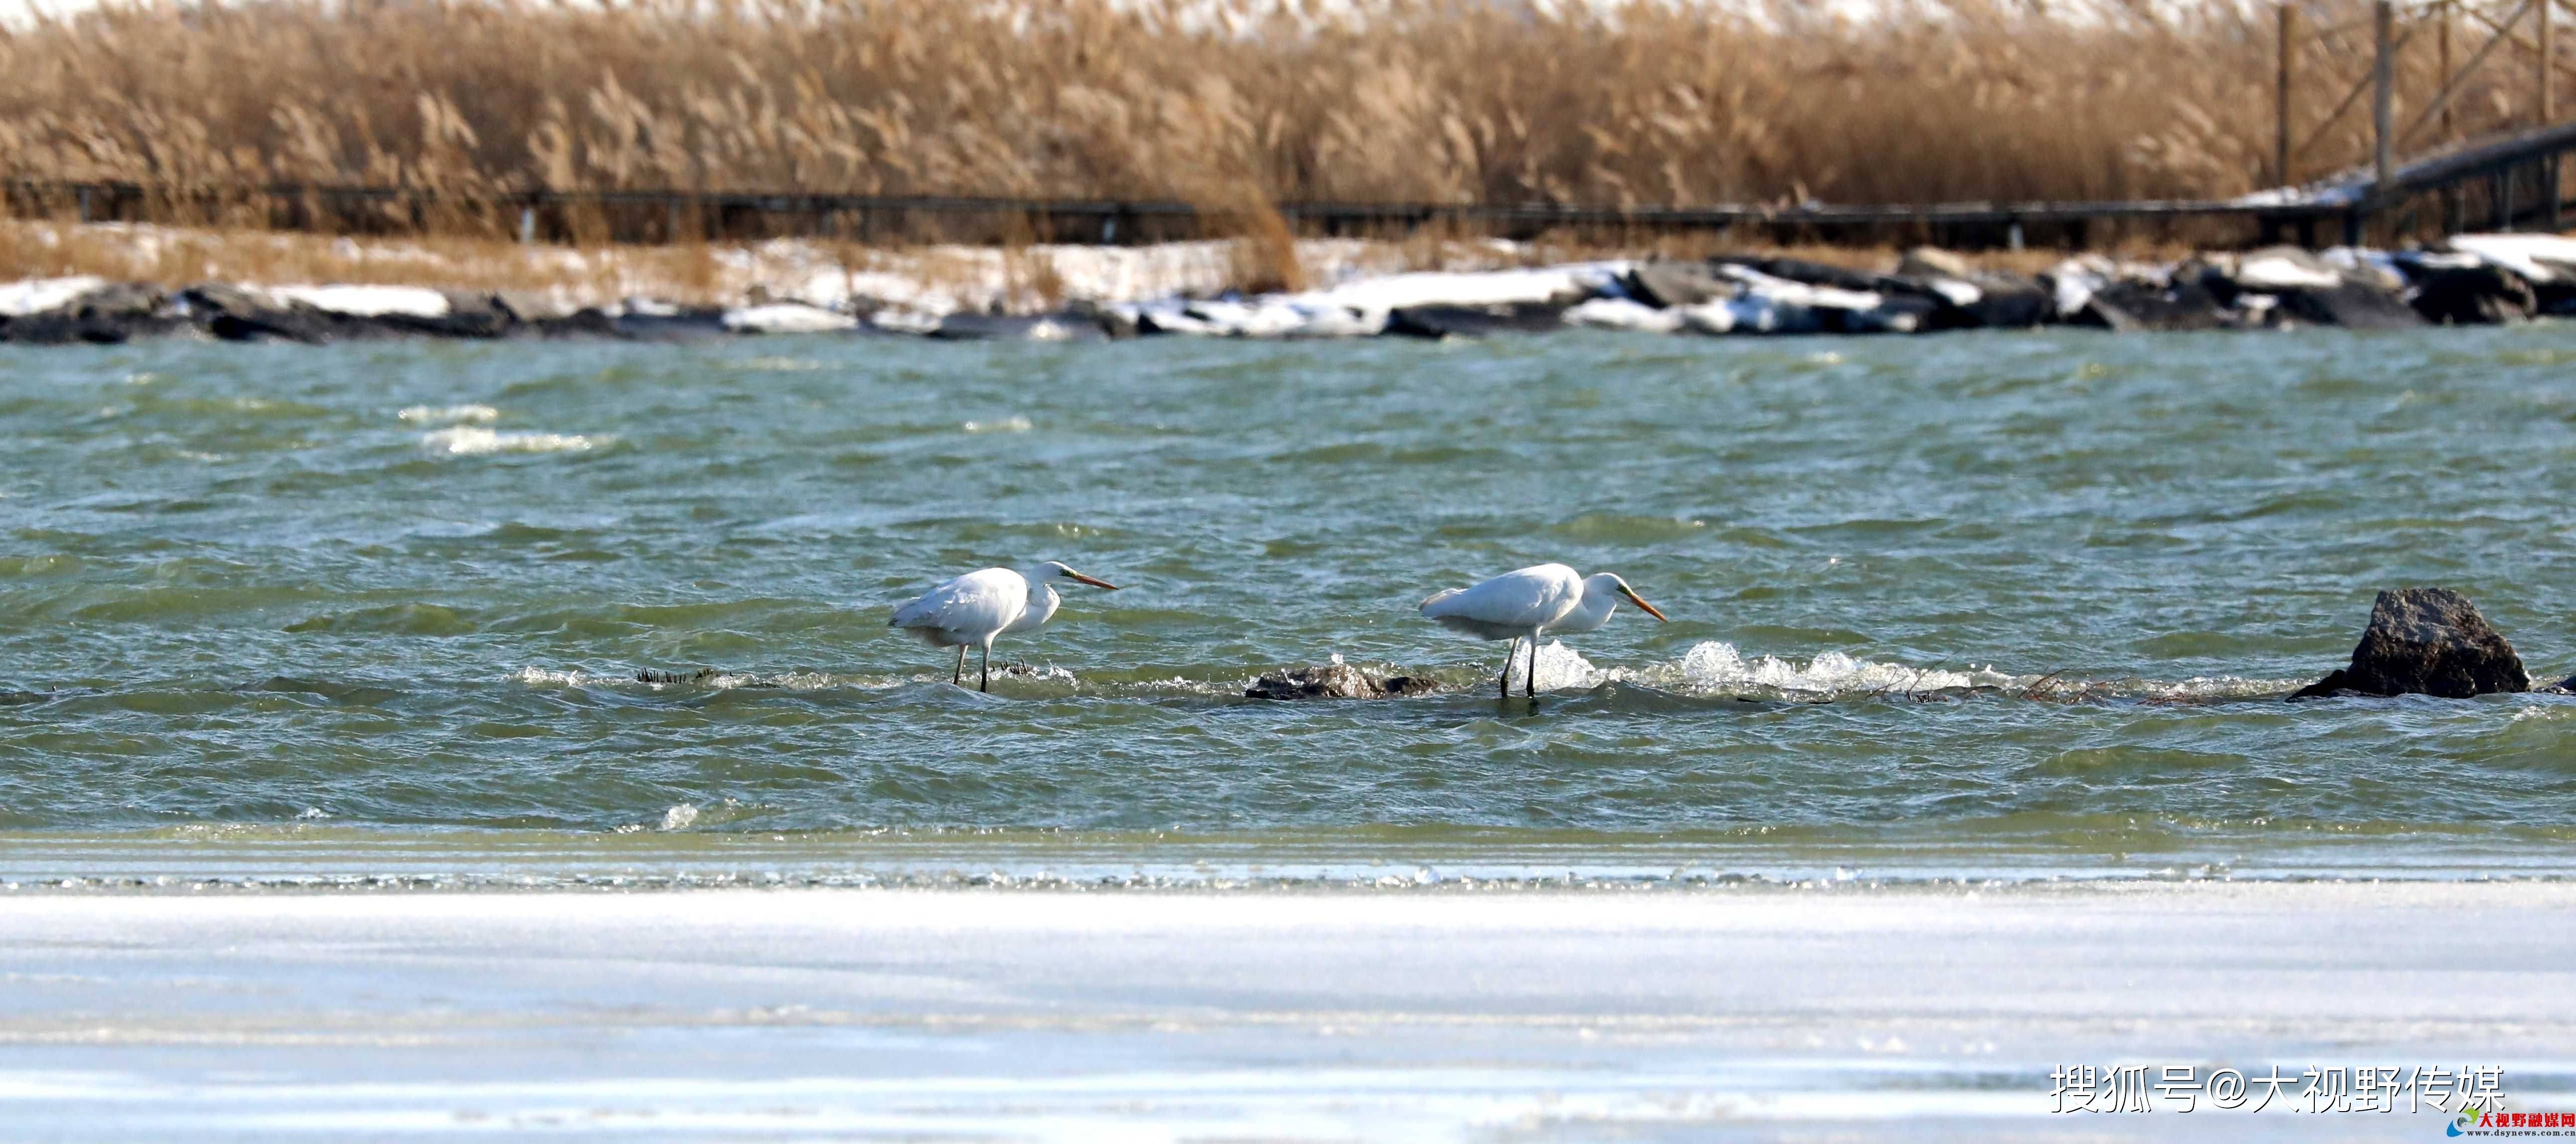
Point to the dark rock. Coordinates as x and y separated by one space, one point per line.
587 322
1811 273
1436 322
109 315
238 316
1114 324
1669 284
1066 327
2009 302
2352 306
2473 296
1335 681
1934 262
467 316
1897 313
59 328
2132 306
2426 641
678 324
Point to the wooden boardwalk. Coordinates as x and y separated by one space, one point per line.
2494 184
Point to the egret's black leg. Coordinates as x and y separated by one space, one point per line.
1533 669
987 685
957 678
1506 676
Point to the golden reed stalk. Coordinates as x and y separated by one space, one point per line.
1235 104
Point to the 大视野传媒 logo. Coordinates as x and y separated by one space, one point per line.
2468 1118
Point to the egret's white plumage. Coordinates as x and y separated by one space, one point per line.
1514 605
1527 603
970 610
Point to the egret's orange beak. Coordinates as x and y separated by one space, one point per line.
1640 601
1079 578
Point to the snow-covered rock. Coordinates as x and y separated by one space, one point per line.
2277 268
1559 284
366 301
2540 259
1623 314
787 318
38 295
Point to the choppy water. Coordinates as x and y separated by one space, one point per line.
370 600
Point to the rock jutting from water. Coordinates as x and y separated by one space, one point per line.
1335 681
2425 641
2469 279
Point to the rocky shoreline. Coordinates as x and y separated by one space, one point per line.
2469 280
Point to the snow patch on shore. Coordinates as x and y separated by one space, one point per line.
38 295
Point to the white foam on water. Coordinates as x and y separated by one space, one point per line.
448 414
1717 666
474 441
1559 668
2225 687
679 817
1011 424
782 364
791 681
542 677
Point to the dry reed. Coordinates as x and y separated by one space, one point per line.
1232 102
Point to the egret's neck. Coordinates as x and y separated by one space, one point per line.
1595 608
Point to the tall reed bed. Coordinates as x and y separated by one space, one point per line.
1231 103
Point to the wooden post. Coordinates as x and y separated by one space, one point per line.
2442 48
2441 80
2541 24
2289 39
2382 82
2547 172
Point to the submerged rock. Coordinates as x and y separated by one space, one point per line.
2426 641
1335 681
701 675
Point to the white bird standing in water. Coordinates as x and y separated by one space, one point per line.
1534 600
972 609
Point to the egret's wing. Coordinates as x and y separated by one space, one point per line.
1444 608
1522 599
975 601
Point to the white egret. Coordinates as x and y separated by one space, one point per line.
972 609
1524 604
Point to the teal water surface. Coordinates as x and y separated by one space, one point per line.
1933 600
